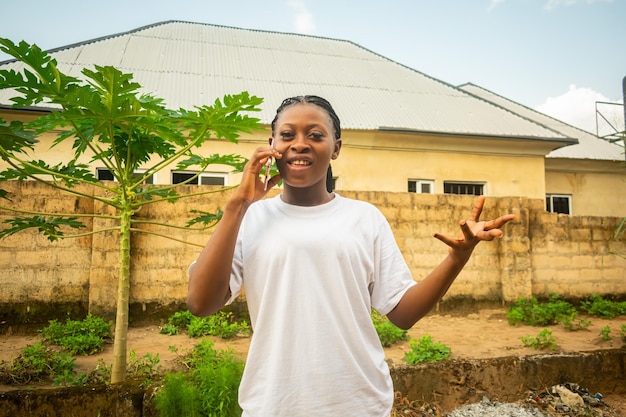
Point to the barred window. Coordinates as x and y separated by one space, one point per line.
466 188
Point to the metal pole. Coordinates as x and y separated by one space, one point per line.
624 103
624 107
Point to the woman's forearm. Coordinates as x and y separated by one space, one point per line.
421 298
209 276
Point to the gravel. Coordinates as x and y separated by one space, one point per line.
488 408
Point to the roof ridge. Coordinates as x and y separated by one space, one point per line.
527 108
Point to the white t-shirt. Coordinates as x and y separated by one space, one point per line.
311 276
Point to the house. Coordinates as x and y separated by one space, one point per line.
403 131
586 178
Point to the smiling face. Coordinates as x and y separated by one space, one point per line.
304 134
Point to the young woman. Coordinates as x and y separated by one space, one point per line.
313 264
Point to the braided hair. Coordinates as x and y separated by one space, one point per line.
318 101
324 104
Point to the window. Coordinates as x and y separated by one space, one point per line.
465 188
421 186
559 203
205 178
104 174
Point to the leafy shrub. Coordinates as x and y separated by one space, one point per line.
530 311
571 324
82 337
180 319
209 388
600 307
388 333
426 350
544 340
221 324
169 329
37 363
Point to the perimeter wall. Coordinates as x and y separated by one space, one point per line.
540 254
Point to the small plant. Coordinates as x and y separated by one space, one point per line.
169 329
82 337
177 322
573 325
37 363
605 333
426 350
388 333
221 324
101 374
209 388
622 332
600 307
180 319
70 378
532 312
145 367
544 340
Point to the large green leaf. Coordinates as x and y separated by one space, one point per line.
48 226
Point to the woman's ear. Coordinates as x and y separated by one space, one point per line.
270 140
337 149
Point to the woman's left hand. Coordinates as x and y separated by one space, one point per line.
473 230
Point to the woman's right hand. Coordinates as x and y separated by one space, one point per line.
252 188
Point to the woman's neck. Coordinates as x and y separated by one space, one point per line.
306 196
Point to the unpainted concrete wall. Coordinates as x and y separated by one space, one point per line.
540 254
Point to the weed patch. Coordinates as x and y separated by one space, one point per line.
426 350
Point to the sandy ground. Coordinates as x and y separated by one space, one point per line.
486 334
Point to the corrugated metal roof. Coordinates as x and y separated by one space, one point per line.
191 64
589 146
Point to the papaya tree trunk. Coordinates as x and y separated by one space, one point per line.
118 373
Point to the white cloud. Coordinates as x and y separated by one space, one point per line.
304 21
577 107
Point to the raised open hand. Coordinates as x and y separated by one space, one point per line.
473 230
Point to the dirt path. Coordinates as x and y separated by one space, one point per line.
486 334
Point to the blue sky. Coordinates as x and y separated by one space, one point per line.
557 56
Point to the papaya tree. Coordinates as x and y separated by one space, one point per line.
108 120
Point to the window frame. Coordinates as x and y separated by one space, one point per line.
418 183
482 186
198 181
550 203
151 180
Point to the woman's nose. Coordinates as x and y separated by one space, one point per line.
299 143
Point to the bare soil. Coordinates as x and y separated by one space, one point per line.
482 335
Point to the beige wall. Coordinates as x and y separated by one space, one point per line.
540 254
598 188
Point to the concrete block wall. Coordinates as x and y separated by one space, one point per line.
540 254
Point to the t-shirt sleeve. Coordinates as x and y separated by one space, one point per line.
393 276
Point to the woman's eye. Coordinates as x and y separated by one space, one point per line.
317 136
286 135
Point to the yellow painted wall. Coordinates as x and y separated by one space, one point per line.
598 188
385 161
